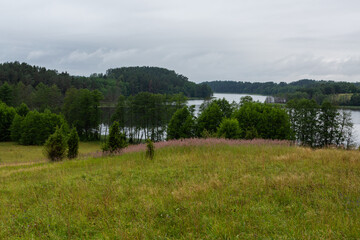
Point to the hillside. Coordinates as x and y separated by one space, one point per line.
25 80
208 190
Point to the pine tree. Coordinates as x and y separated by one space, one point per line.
116 140
73 144
55 146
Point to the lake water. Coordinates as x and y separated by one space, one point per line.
355 115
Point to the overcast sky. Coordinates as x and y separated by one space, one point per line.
241 40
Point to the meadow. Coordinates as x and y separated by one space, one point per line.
210 190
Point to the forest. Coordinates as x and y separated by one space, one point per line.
41 88
340 93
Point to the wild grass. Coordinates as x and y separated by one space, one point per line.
210 191
12 153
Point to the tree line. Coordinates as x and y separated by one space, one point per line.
319 91
219 118
41 88
159 117
146 115
302 121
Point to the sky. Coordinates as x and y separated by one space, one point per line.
205 40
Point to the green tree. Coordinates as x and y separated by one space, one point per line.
37 127
73 144
263 120
47 97
304 121
225 107
16 128
6 94
7 115
182 124
229 128
116 140
328 125
81 109
55 146
22 110
209 119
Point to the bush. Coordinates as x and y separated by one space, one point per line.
73 144
116 140
36 127
150 149
55 146
182 124
229 128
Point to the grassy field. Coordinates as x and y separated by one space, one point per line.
12 153
186 192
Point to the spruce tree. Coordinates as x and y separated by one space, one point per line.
116 140
55 146
73 144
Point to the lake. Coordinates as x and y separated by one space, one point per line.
355 115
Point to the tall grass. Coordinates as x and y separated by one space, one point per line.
12 153
204 191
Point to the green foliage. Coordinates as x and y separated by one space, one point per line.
22 110
41 88
209 119
319 126
157 80
16 128
150 149
229 128
36 127
303 116
245 99
182 124
73 144
116 140
81 109
355 100
251 133
6 94
7 115
305 88
263 121
47 97
55 146
147 113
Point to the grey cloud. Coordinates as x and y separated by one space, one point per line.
246 40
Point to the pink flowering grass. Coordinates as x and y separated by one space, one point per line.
192 142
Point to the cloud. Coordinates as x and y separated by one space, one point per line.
262 40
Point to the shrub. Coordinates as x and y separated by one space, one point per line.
37 127
73 144
182 124
55 146
229 128
116 140
150 149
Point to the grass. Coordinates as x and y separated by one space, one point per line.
219 191
11 153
